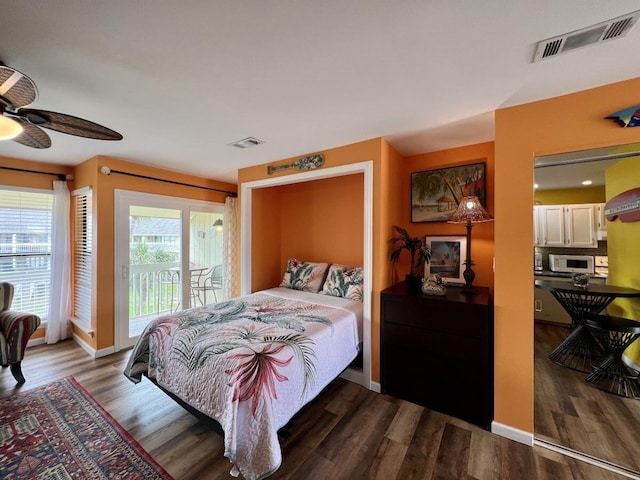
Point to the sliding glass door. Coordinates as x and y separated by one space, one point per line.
168 258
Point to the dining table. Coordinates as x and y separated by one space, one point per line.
580 349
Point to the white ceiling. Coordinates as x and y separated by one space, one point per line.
182 80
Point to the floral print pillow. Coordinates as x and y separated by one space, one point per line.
344 281
305 276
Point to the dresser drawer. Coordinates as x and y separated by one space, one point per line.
464 319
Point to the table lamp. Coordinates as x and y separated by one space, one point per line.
469 211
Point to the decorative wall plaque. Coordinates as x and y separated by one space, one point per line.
305 163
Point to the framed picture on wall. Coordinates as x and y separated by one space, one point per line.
435 194
447 257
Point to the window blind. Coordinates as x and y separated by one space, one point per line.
82 266
25 247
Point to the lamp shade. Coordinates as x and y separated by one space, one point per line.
9 128
470 211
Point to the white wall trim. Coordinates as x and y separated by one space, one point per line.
35 341
512 433
366 168
93 353
82 326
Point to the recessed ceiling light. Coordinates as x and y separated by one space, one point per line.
247 142
587 182
535 185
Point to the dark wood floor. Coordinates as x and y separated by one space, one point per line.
571 413
346 433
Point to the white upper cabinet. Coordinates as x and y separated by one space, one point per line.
537 232
573 226
580 226
551 219
601 222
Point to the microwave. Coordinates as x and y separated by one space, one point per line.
571 263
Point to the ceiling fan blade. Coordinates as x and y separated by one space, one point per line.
61 122
32 136
18 89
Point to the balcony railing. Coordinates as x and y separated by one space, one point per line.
154 289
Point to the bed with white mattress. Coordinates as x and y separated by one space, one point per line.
251 363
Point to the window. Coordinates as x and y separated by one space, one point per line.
25 247
82 264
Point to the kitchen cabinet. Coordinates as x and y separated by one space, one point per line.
566 225
537 231
437 351
601 222
580 226
551 218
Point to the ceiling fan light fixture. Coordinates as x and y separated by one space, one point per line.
9 128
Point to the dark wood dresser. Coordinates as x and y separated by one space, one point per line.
437 351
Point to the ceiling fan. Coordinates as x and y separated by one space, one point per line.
23 125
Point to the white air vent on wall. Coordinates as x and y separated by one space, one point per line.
614 28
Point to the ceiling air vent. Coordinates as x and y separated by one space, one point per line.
614 28
247 142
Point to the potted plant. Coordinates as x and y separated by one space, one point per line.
418 250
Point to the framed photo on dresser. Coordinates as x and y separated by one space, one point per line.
446 257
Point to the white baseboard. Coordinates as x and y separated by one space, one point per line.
512 433
356 375
35 341
92 351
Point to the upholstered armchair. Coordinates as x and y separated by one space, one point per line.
15 330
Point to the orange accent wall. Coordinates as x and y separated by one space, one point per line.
319 221
481 233
87 174
266 230
266 213
31 180
562 124
325 209
103 190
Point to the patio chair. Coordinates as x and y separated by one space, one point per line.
207 281
15 330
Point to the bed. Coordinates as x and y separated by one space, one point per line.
252 363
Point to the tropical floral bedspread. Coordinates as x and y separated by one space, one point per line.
250 363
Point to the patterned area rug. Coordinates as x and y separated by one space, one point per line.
58 432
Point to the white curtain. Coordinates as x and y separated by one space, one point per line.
230 249
58 318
